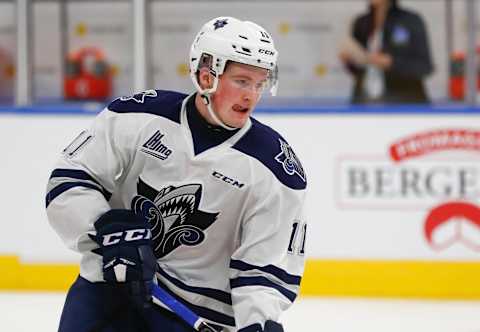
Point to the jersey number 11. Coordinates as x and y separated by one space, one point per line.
297 241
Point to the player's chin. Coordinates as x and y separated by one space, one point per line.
239 120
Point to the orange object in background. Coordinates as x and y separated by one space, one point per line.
457 84
7 74
87 75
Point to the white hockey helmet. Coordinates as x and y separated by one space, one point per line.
226 39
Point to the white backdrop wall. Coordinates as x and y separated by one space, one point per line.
307 34
362 203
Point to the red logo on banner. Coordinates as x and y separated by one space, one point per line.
435 140
450 222
460 215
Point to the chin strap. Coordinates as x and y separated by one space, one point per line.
207 101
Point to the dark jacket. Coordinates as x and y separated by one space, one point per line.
405 40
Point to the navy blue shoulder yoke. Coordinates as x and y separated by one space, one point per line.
272 150
163 103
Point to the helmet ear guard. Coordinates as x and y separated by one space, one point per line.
206 61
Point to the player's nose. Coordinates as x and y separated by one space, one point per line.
249 95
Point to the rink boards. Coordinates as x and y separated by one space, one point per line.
392 204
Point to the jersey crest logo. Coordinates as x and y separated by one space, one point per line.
139 98
173 215
154 146
291 164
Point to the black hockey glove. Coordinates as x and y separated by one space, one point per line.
271 326
125 245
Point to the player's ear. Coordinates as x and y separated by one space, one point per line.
205 79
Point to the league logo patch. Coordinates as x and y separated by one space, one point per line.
154 147
173 215
139 98
289 160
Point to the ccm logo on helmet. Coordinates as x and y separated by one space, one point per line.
127 236
266 52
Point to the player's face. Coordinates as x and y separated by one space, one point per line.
238 92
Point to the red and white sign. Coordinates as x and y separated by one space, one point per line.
453 222
415 176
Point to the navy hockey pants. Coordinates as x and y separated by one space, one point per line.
100 307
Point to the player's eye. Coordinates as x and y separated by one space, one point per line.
261 85
241 83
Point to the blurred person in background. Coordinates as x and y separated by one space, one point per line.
388 55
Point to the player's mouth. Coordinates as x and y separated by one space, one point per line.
240 109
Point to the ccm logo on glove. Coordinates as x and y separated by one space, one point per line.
127 236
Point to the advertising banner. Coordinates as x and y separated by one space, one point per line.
392 206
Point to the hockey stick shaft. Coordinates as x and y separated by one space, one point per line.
181 310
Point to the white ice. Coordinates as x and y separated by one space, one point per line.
39 312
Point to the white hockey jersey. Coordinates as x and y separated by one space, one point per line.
227 220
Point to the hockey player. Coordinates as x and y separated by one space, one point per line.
188 192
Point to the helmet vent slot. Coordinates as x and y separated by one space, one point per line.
243 37
265 41
244 49
249 54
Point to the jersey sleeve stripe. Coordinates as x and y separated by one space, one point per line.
261 281
216 294
55 192
78 175
203 312
270 269
74 174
